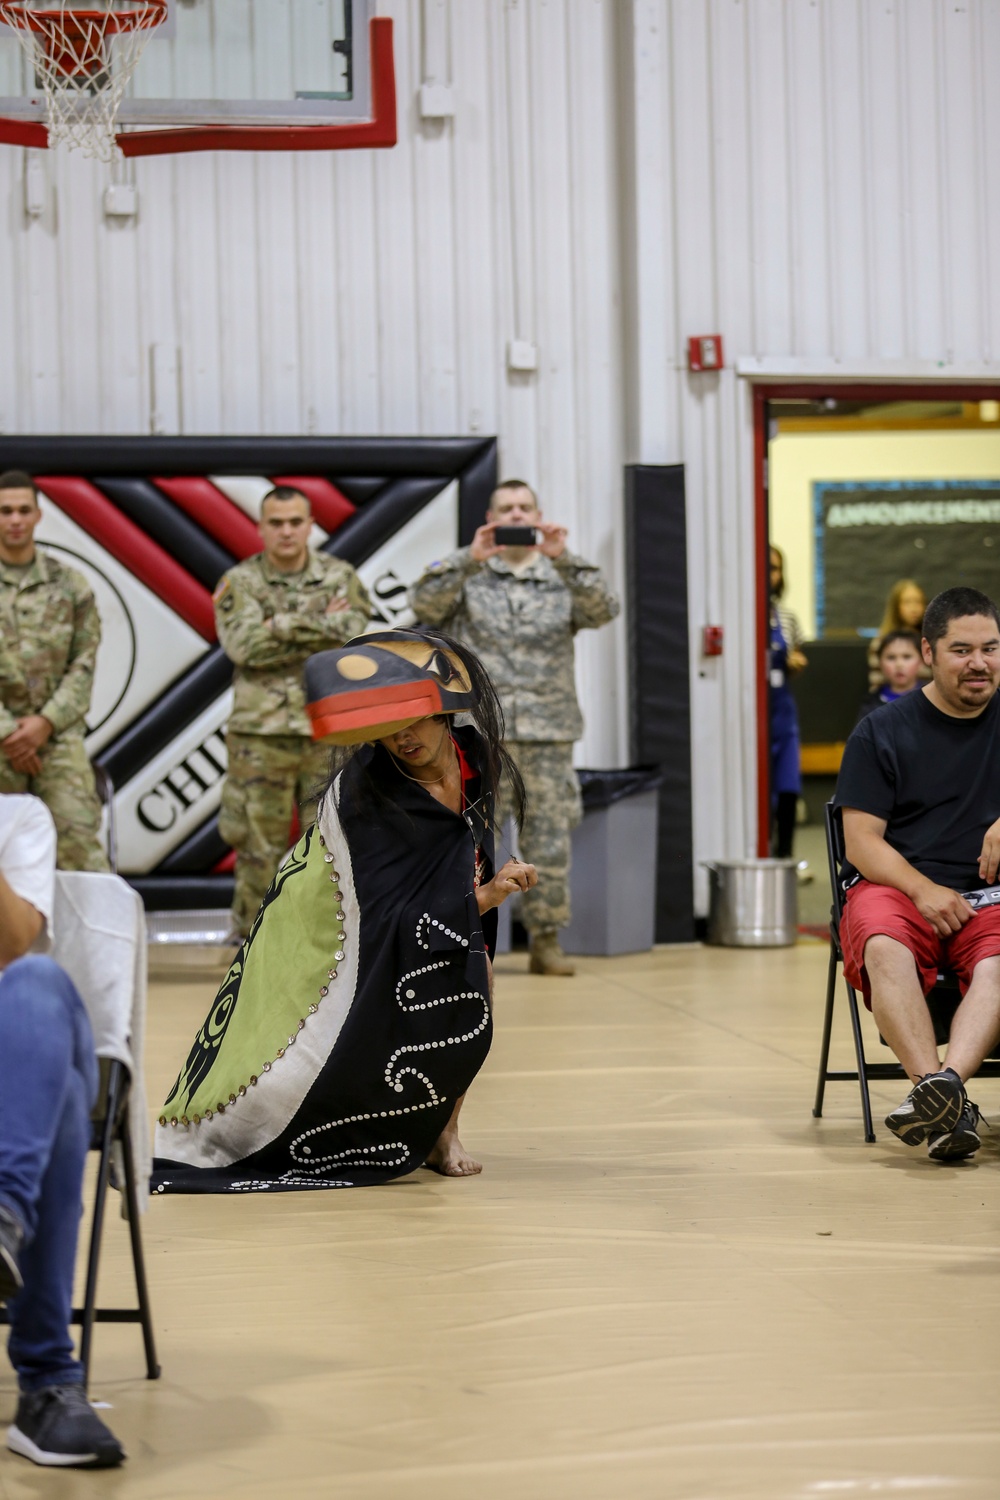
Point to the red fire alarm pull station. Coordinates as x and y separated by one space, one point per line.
705 352
711 640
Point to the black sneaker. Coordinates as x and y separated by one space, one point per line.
11 1235
962 1140
933 1104
58 1426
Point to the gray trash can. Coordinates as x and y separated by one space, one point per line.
753 903
613 876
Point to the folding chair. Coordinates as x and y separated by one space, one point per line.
942 1001
100 941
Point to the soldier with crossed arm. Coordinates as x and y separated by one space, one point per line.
271 613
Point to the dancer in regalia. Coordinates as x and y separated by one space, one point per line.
357 1012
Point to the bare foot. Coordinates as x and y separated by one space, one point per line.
450 1157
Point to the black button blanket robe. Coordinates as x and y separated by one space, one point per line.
357 1011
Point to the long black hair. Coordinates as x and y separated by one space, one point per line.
496 764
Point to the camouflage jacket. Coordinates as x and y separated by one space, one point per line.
522 625
51 631
269 692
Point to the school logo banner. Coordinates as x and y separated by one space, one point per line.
153 524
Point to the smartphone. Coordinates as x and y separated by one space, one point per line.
989 896
514 536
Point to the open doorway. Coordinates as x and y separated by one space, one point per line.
863 489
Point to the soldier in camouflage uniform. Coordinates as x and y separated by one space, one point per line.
271 612
51 631
519 609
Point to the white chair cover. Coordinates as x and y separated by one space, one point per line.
99 938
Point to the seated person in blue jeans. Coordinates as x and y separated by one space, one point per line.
48 1083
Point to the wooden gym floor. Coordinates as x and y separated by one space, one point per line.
670 1283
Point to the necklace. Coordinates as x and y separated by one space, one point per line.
421 780
427 780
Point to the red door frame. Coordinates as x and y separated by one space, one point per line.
814 390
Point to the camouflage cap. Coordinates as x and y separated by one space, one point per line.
379 683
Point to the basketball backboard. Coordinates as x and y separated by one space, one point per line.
257 66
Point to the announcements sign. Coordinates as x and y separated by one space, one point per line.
868 535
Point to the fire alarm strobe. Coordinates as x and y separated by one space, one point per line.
712 637
705 352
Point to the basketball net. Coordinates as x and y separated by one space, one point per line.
83 59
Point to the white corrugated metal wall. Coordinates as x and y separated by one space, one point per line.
815 179
363 292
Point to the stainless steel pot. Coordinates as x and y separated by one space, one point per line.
753 903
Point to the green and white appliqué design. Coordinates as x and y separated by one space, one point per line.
277 981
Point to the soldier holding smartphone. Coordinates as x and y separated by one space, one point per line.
517 600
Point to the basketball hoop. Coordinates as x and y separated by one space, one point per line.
83 60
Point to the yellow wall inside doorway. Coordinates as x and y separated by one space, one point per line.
798 460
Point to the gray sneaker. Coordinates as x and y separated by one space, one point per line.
961 1141
935 1104
58 1427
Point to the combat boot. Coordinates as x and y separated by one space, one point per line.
546 955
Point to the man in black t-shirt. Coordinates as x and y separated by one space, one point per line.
920 793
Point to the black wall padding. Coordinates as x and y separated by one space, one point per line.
183 701
187 893
129 456
479 480
176 533
358 491
198 853
365 533
660 690
371 465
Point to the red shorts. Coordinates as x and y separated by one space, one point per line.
881 909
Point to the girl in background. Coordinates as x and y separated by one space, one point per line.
904 610
900 664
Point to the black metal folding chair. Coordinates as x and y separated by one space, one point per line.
942 1001
110 1127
